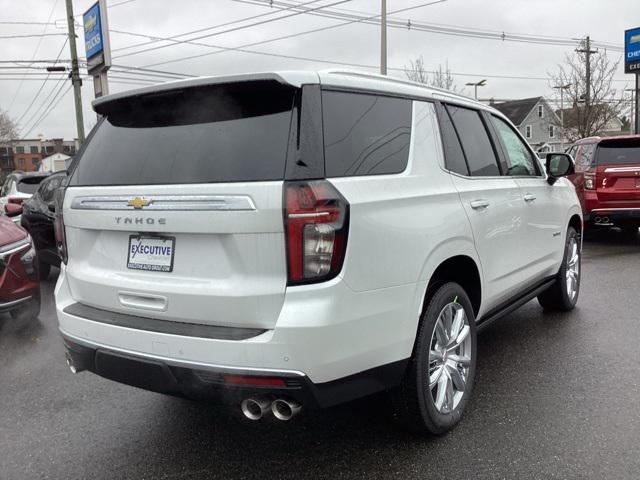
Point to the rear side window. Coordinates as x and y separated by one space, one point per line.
365 134
477 147
619 152
453 154
216 133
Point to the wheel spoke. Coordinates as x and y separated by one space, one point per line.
442 391
460 360
449 390
456 378
441 333
456 326
435 377
464 333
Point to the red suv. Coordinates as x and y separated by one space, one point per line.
607 180
19 287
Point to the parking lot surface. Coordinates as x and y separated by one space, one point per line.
556 396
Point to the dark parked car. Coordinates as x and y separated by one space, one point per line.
19 286
37 219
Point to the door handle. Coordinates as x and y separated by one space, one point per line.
529 197
479 204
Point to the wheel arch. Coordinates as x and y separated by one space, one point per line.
463 270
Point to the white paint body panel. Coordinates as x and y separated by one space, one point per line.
230 269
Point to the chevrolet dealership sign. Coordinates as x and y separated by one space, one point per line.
96 38
632 51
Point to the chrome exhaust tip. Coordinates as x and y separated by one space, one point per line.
71 366
605 219
254 408
285 409
597 219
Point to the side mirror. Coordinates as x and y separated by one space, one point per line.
12 210
559 165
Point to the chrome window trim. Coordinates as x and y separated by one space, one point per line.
161 203
622 169
15 247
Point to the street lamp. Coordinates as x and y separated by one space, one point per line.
562 88
475 86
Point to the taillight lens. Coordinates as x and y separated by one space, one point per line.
58 226
15 200
589 181
316 222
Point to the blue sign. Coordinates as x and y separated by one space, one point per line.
632 51
93 38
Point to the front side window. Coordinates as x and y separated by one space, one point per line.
476 144
586 156
520 160
365 134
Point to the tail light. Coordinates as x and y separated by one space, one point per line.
316 221
15 200
589 181
58 225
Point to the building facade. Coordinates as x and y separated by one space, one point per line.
27 154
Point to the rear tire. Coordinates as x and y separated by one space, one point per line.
563 295
28 311
439 379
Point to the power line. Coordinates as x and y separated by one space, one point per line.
31 35
306 32
230 30
200 30
37 122
15 95
41 86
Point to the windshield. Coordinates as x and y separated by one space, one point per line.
217 133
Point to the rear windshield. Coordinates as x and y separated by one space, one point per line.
619 152
29 184
216 133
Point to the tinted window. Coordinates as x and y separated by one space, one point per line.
475 141
215 133
454 156
29 184
48 188
520 160
365 134
619 152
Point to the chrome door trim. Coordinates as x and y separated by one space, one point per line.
622 169
163 203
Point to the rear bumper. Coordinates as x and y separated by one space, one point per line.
338 343
210 383
613 216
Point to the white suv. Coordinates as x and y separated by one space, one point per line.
300 239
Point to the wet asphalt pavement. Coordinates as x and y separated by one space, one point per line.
557 396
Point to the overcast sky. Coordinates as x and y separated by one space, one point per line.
471 59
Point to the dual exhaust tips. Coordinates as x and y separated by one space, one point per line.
601 220
255 408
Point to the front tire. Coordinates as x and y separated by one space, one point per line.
439 379
563 294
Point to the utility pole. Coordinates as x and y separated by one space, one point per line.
75 71
383 38
588 52
562 88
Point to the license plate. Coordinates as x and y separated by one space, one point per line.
151 253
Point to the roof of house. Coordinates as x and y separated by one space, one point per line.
517 110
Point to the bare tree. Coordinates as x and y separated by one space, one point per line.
588 115
8 128
440 78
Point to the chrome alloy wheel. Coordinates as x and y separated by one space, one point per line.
449 357
573 268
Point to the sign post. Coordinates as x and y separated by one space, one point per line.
97 46
632 65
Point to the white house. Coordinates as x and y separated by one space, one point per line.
54 163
